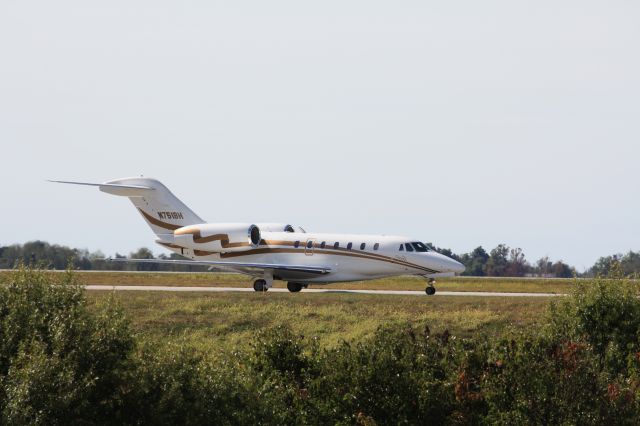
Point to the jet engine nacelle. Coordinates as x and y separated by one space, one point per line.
218 237
276 227
280 227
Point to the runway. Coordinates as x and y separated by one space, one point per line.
313 290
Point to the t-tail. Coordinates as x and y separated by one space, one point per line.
162 210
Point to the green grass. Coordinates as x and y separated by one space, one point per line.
223 321
532 285
219 322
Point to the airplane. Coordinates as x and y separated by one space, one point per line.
275 251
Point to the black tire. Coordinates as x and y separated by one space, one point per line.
294 287
430 291
260 285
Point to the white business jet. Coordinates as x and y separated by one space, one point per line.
273 251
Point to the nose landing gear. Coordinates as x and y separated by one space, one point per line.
430 290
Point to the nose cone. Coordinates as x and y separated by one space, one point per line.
457 267
447 264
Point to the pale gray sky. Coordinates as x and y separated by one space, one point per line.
463 123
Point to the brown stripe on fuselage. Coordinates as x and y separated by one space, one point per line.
157 222
199 239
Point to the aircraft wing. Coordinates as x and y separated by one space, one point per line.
245 268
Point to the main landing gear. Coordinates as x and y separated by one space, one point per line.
260 285
294 287
430 290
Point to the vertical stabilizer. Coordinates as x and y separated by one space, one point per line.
162 210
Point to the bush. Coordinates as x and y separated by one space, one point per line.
604 313
176 385
63 361
581 369
59 361
399 376
532 380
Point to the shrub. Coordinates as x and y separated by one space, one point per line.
532 380
399 376
605 313
59 361
177 385
63 361
581 369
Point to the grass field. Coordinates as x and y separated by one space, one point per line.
229 320
218 322
529 285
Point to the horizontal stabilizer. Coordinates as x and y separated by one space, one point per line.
114 188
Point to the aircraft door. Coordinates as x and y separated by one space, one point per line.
308 248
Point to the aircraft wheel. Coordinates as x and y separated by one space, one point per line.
430 290
260 285
294 287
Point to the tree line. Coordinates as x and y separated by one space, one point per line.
54 256
502 261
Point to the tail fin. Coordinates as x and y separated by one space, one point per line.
162 210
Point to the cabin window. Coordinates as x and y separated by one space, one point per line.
401 247
323 244
309 244
376 246
296 244
336 245
362 246
408 247
349 246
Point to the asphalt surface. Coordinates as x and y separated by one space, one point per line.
313 290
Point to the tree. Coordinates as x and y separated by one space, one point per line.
517 264
543 266
475 262
630 263
144 253
602 267
562 270
498 261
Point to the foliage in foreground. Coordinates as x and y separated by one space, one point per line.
58 360
64 362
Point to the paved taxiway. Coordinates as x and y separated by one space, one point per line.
314 290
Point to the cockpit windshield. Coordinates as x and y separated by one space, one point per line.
420 247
